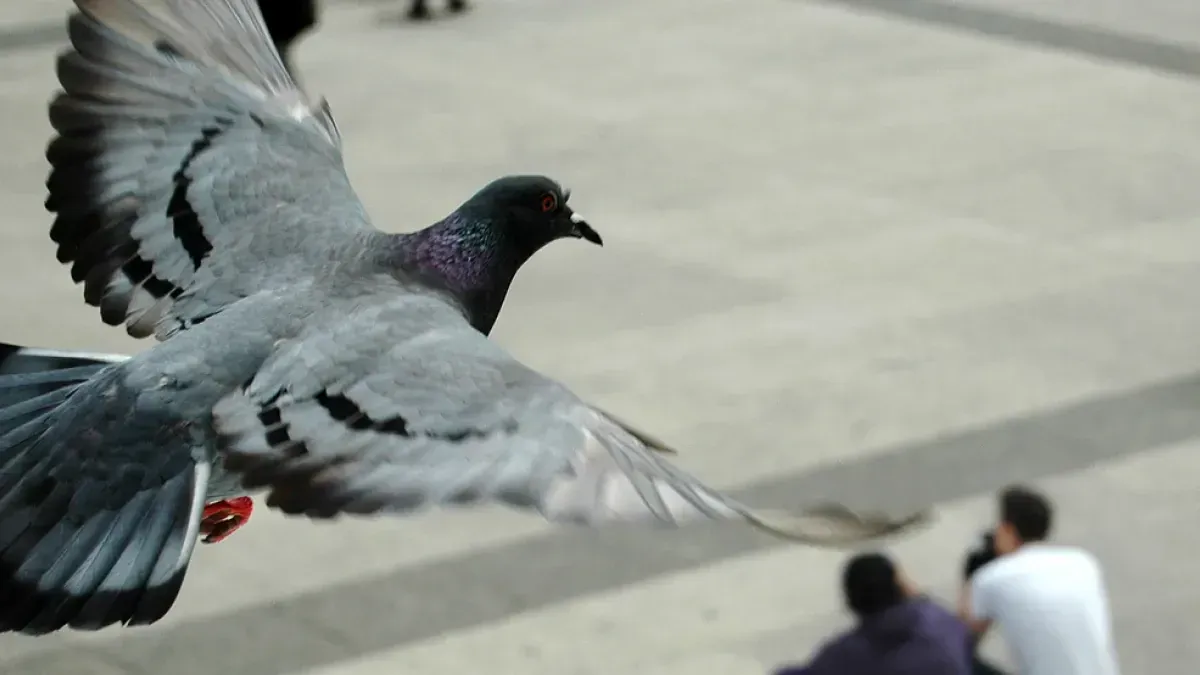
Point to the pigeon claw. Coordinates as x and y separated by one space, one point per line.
223 518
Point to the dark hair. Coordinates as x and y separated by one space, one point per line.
1027 511
870 584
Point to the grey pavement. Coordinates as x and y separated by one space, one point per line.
893 253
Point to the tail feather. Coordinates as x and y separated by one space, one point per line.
33 383
95 529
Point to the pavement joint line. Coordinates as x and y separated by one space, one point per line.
1073 38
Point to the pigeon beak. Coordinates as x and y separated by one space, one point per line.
581 230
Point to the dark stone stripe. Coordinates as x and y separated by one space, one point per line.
186 222
1095 41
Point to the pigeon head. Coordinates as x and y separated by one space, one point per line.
529 212
475 252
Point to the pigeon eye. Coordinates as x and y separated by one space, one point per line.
549 203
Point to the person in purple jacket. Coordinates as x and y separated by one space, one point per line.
898 631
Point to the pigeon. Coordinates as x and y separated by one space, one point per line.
200 197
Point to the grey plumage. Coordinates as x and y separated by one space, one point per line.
87 535
200 198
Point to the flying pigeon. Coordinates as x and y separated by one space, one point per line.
201 198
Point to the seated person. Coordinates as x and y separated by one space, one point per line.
1049 601
899 632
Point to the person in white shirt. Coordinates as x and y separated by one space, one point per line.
1048 601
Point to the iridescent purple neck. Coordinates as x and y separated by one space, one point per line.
468 257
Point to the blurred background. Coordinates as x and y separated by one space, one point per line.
892 252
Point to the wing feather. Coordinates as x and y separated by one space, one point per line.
188 169
96 526
399 405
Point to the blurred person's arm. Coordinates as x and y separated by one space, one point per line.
974 605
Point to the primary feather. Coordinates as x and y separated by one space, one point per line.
188 171
200 198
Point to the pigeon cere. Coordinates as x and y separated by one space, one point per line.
199 197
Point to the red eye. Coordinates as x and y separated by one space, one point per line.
549 203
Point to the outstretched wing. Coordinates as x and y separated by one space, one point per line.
188 168
398 404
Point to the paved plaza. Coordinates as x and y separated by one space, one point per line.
893 252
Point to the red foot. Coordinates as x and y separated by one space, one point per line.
225 517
